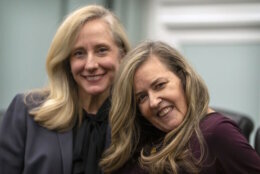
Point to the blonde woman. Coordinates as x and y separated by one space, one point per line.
62 129
161 121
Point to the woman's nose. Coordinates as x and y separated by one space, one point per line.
91 63
154 100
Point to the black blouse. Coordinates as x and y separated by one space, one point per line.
89 141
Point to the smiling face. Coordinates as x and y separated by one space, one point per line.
160 95
95 58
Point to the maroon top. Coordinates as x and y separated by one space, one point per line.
228 150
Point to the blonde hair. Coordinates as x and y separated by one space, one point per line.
126 127
60 107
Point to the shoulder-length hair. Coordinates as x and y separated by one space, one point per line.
126 128
60 108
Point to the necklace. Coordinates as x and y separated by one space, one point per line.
156 147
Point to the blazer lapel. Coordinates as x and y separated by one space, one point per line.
65 140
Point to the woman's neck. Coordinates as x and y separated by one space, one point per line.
210 111
92 103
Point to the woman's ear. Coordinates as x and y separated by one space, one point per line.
121 58
122 55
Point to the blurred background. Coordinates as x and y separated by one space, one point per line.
220 38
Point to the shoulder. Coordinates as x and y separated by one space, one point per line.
215 124
227 145
214 119
21 104
17 104
14 120
16 111
35 99
221 132
27 100
17 118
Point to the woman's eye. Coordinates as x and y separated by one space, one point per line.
102 51
141 98
160 85
78 54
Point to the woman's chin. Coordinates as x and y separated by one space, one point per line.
96 91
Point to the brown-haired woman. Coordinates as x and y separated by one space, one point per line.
161 121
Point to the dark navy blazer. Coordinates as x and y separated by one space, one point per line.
28 148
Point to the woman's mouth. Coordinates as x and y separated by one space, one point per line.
93 78
163 112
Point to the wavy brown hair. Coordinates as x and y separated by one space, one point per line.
127 129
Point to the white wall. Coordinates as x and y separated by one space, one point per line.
133 15
74 4
27 28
